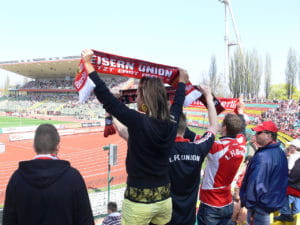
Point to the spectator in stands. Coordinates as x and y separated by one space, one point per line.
292 201
264 186
293 152
151 135
114 217
46 190
186 160
293 189
223 162
286 116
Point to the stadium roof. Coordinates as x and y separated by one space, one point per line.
55 67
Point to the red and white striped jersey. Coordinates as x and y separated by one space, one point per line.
223 162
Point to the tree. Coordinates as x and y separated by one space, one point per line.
204 79
290 72
236 74
212 74
268 72
253 72
278 92
214 79
6 85
245 74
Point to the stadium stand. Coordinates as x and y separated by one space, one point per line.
285 114
52 94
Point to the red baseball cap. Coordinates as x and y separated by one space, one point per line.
266 125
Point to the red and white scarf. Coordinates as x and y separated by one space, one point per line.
106 63
129 96
227 103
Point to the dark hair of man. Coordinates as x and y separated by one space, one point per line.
153 93
46 139
274 136
182 124
112 206
233 124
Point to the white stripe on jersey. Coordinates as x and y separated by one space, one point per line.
212 167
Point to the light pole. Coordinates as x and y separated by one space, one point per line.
112 160
226 37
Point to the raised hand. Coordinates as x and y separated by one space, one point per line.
205 90
87 55
183 76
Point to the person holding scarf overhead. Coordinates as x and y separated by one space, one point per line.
151 136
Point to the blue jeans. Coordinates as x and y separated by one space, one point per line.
259 217
208 215
291 200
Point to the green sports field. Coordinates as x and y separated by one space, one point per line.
7 121
197 130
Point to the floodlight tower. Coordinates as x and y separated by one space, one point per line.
226 37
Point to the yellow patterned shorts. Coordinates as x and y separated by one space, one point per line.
147 195
134 213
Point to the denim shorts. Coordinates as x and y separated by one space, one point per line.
208 215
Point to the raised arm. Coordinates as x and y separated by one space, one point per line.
176 107
212 113
111 104
121 129
240 110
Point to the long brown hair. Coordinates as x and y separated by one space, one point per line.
153 94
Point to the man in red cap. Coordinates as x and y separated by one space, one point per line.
264 186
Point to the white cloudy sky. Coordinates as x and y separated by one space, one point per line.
178 33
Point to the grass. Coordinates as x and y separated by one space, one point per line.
197 130
201 131
7 121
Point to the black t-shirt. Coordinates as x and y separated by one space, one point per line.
150 140
186 160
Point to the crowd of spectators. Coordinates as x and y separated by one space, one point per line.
52 104
48 84
286 116
261 100
58 103
67 84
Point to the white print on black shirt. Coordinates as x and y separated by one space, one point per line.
178 157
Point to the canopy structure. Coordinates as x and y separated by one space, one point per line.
44 68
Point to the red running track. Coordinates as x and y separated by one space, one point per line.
84 151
